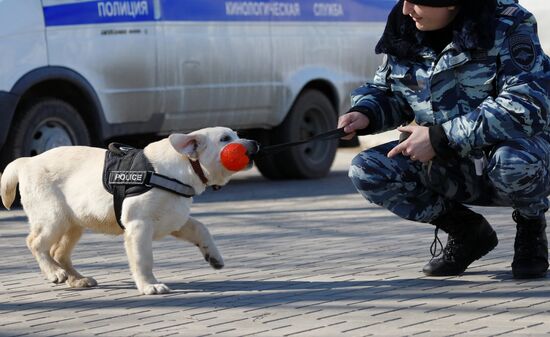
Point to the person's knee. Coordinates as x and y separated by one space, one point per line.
368 171
362 167
517 172
357 172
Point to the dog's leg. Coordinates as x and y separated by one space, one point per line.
48 218
138 240
195 232
61 253
40 242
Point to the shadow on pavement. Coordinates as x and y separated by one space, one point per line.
14 218
261 294
259 188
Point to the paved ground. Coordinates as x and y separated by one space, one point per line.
303 258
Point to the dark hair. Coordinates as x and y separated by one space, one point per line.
473 27
436 3
477 20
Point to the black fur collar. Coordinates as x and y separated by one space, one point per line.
473 28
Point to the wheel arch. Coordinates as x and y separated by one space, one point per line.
326 88
67 85
325 80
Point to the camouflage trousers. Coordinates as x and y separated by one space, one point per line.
516 175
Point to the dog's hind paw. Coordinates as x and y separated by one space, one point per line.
154 289
85 282
215 263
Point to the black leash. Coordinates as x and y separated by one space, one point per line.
272 149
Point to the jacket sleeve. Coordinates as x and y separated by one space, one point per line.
386 110
520 108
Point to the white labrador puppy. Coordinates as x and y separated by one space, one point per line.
62 193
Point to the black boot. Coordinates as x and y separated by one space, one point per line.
470 237
530 247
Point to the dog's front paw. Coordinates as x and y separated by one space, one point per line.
58 276
154 289
216 263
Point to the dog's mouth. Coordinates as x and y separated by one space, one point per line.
237 155
252 147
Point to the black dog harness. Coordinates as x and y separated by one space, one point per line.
127 172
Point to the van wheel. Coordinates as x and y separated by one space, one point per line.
45 124
311 114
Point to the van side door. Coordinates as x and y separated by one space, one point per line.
215 65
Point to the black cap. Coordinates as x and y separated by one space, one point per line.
435 3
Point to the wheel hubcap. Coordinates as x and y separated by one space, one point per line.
49 134
313 124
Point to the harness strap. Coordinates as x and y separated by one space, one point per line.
169 184
150 179
119 192
119 189
198 170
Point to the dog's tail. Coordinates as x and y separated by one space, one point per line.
9 180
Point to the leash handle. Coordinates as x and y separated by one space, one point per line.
403 136
272 149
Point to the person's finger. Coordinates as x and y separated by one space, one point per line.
351 127
348 136
343 120
396 150
406 128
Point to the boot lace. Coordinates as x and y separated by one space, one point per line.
436 243
452 250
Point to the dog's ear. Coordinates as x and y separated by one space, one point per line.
184 144
189 145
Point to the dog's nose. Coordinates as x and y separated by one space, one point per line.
253 148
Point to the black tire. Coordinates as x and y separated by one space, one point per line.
311 114
44 124
265 164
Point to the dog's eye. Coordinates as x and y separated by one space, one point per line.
225 139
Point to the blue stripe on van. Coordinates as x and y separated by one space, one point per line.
107 11
94 12
277 10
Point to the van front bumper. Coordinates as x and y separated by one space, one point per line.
8 102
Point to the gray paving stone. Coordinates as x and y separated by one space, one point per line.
303 258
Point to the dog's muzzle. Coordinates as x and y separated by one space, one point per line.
237 155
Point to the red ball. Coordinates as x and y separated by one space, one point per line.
233 157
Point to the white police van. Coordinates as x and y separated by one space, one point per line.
86 72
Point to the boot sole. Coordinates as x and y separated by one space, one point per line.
523 276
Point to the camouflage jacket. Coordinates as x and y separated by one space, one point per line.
478 95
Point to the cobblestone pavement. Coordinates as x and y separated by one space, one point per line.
303 258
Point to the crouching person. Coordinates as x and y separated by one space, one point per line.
474 78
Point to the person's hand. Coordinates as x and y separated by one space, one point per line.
417 146
351 122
